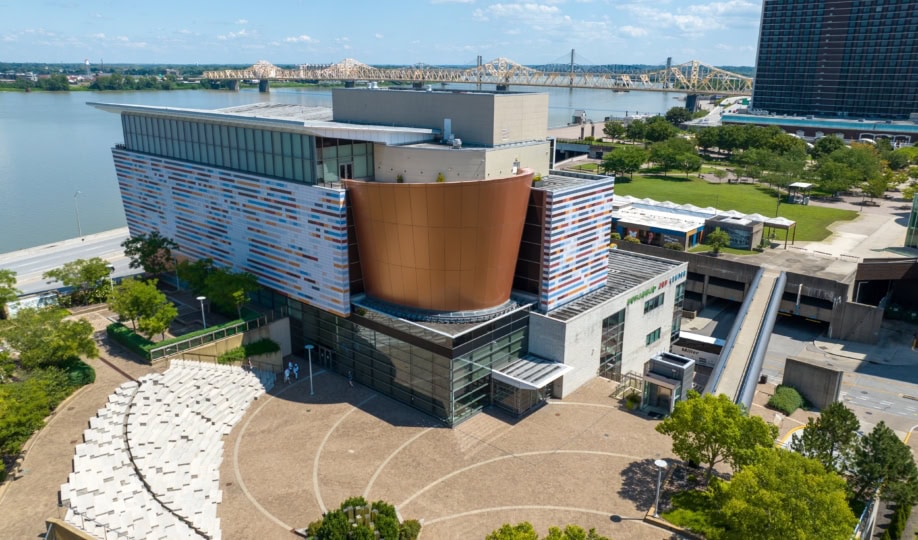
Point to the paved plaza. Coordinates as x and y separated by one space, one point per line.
579 461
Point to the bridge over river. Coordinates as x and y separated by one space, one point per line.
691 77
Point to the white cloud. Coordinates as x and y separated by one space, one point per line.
633 31
235 35
100 35
299 39
242 21
379 36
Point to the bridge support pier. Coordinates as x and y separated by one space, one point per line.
349 84
233 85
418 85
264 86
503 87
691 102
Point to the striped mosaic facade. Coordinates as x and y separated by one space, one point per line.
292 237
575 248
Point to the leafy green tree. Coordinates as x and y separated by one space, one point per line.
830 438
671 153
88 280
152 252
229 291
910 191
613 129
690 163
626 159
335 526
826 145
658 129
717 240
898 159
834 177
520 531
677 115
712 430
43 337
8 290
636 129
158 322
142 302
784 495
573 532
24 406
55 83
876 186
196 272
784 143
883 463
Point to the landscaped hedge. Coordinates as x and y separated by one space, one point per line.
262 346
126 337
897 523
79 372
786 400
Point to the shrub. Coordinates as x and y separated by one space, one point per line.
631 239
675 246
262 346
786 399
440 177
409 530
615 236
128 339
79 373
898 522
2 471
400 179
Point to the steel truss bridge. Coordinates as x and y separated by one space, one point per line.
691 77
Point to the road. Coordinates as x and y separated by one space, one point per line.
29 264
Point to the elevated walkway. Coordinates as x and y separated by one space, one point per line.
736 370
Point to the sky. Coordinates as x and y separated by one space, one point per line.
403 32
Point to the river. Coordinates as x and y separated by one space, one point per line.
55 151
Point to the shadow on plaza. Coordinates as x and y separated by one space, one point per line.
332 388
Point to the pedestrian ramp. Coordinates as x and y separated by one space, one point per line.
749 329
149 463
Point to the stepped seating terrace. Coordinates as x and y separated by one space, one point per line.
148 466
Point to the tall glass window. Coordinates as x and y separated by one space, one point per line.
610 352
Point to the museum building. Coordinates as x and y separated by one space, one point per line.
418 239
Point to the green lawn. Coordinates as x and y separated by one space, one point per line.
812 221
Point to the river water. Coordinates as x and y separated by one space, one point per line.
52 145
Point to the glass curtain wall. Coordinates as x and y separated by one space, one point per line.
279 154
341 158
448 389
610 355
677 311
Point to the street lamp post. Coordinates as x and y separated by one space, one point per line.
76 207
178 284
203 319
111 281
309 349
661 466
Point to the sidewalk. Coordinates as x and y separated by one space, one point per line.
32 497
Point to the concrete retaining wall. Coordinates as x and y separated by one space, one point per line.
821 386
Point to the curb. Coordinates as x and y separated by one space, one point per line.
788 435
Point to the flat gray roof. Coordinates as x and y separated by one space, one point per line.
627 270
557 181
530 372
281 111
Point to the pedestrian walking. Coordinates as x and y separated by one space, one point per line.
287 375
296 371
350 378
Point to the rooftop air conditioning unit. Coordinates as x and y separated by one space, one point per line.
457 143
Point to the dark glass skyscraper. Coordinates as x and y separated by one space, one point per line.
847 58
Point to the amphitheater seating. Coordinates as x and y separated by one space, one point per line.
149 464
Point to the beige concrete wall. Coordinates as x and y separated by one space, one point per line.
421 164
477 118
820 385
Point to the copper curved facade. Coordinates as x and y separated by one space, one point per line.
448 246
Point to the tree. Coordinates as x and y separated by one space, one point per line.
883 463
87 279
627 160
712 430
910 191
152 252
8 290
573 532
689 163
671 153
833 177
658 129
142 302
335 526
829 438
708 138
825 146
784 495
229 291
636 130
196 272
613 129
876 186
520 531
43 337
717 240
677 115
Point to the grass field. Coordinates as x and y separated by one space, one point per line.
812 221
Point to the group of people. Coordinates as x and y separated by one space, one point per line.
292 369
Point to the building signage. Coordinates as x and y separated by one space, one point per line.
647 292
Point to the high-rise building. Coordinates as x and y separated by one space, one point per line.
413 237
838 58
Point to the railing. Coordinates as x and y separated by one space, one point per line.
210 336
245 364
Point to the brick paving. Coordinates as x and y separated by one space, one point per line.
579 461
